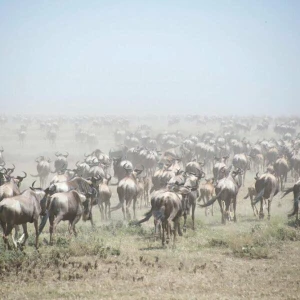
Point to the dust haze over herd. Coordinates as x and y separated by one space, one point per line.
149 149
165 57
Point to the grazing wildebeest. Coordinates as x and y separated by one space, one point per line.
266 186
128 191
281 169
19 210
67 206
206 193
296 191
43 169
104 198
226 194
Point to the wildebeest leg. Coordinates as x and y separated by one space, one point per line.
134 204
17 229
108 208
163 232
176 224
269 205
184 221
221 203
7 229
100 205
234 209
36 227
54 225
74 222
193 213
261 211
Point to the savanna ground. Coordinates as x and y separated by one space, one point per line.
250 259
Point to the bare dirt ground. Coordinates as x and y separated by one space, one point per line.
250 259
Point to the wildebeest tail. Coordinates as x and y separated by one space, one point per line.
287 191
211 201
247 196
147 217
259 196
34 175
118 206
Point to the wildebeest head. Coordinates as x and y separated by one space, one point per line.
39 193
18 180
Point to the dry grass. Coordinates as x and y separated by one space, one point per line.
250 259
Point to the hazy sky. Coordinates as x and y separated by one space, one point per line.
150 56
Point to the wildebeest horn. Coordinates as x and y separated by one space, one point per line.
57 154
33 184
4 170
77 164
23 176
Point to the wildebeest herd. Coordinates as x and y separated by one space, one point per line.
169 172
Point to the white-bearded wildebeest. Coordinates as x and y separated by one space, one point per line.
67 206
61 162
81 185
166 207
11 187
226 194
128 191
43 169
281 169
118 166
296 191
20 210
220 170
266 186
241 161
192 185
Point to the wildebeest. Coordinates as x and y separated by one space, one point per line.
166 207
118 166
20 210
226 194
43 169
220 170
252 194
266 186
296 191
281 169
241 161
67 206
61 162
11 187
104 198
128 191
206 193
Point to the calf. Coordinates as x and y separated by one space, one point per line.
206 193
